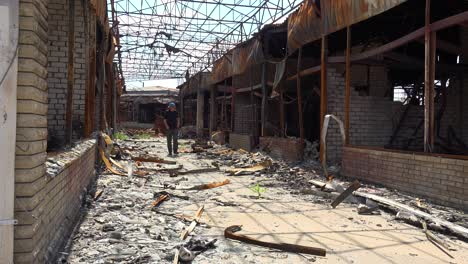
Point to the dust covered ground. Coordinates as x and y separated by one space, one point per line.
121 226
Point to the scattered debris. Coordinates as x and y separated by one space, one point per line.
353 187
370 208
407 217
454 228
209 185
98 194
195 171
256 168
194 223
230 233
108 165
153 159
160 199
219 137
436 241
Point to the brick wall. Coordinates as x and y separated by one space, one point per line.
244 122
370 115
48 208
374 117
57 69
290 149
439 179
237 141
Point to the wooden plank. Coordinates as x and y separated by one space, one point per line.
306 72
429 73
194 223
347 82
282 121
233 108
70 72
264 91
323 90
158 201
299 95
353 187
209 185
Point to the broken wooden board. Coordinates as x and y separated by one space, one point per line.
116 163
454 228
153 159
108 164
158 201
209 185
176 257
230 233
98 194
258 167
353 187
194 223
326 187
195 171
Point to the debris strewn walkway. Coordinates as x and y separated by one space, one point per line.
142 219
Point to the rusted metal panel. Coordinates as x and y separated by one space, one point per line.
247 54
100 7
200 81
222 68
339 14
303 26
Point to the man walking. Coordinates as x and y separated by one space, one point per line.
171 121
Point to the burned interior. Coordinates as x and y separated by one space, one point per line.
247 131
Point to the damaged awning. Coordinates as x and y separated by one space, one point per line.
222 68
305 25
247 54
200 81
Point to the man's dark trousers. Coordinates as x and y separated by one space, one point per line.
172 137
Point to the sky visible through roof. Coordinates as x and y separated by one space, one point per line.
163 39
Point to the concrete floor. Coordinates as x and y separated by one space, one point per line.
278 216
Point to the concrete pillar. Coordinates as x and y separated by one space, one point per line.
200 107
8 82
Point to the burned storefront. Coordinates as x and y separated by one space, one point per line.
140 108
380 90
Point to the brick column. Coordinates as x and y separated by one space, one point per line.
31 140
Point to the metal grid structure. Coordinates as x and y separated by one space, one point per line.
165 39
